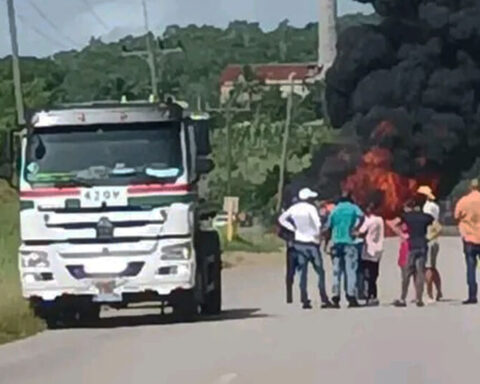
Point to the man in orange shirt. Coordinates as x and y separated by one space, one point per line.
467 214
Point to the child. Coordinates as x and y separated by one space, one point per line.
374 231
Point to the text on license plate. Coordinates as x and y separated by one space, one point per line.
97 196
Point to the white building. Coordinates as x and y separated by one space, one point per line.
270 75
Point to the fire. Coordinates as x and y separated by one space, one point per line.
375 174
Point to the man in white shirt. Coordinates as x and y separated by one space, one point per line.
303 220
432 275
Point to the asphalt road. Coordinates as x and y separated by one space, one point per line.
260 339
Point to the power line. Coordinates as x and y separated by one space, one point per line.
49 22
95 15
39 32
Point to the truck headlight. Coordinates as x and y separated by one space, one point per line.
182 251
35 260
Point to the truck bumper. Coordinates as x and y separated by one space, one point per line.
105 274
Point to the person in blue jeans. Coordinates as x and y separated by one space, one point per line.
344 220
303 220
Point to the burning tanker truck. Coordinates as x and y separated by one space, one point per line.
111 213
407 91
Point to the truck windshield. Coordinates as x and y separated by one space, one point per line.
105 154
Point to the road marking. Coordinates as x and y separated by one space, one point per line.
227 378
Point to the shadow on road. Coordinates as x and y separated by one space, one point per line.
165 319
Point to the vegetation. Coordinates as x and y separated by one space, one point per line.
16 319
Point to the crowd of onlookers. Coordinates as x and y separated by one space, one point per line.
353 235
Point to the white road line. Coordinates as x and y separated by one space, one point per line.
227 378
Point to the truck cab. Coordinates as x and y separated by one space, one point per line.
110 211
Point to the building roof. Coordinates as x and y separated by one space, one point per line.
275 72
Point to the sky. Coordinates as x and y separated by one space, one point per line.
48 26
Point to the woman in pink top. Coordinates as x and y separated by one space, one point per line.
404 243
403 253
373 230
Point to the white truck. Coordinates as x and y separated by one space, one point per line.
110 210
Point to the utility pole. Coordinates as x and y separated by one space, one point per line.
286 134
327 34
17 81
228 112
150 55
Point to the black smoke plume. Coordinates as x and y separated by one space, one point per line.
412 85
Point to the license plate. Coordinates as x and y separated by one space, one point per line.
98 196
104 265
107 298
106 292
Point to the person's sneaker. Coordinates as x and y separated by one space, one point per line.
429 301
439 297
373 303
400 303
353 303
307 305
420 304
326 305
470 301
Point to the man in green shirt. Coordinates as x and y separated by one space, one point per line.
342 223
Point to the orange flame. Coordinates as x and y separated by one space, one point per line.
375 174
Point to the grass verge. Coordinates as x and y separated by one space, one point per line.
257 241
16 319
254 242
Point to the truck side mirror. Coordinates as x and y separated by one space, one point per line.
204 165
6 168
202 137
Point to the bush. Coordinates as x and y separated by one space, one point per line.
16 318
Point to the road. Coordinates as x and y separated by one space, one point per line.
260 339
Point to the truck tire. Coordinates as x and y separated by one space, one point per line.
47 312
89 314
185 306
209 245
58 318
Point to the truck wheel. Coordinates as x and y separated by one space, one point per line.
209 245
49 313
185 307
89 314
58 319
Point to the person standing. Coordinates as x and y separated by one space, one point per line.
467 214
344 220
373 230
303 220
432 275
417 223
359 242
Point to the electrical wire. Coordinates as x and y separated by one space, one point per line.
95 15
52 25
39 32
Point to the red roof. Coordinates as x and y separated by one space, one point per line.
276 72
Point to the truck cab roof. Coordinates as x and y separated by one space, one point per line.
110 112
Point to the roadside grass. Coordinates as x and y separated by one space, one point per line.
16 319
255 240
